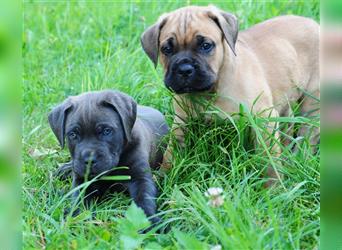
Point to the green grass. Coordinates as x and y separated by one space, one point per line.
69 48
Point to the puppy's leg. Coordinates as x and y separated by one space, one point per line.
273 174
90 193
64 171
167 159
74 197
179 136
274 151
287 131
310 108
143 190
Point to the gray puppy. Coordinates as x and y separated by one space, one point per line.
107 129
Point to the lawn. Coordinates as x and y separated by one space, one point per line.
70 48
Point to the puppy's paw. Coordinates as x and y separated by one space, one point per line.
164 168
271 183
64 172
156 222
273 177
163 229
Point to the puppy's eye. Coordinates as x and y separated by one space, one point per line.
72 135
107 131
167 50
206 47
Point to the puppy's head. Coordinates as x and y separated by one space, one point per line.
190 43
97 126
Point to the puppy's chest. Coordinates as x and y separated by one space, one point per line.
116 180
209 107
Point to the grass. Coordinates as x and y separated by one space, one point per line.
69 48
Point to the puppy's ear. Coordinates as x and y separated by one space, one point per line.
57 118
228 24
126 107
150 40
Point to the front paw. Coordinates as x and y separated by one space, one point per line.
164 168
64 172
274 177
156 222
167 159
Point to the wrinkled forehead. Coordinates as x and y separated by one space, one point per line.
89 113
185 24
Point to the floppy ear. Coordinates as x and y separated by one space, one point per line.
228 24
57 118
126 107
150 41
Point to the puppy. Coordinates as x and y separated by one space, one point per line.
265 67
107 129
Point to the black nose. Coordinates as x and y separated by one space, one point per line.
89 158
186 70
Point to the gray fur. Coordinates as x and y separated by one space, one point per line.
134 141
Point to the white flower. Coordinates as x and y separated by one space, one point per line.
216 247
214 191
215 197
216 202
